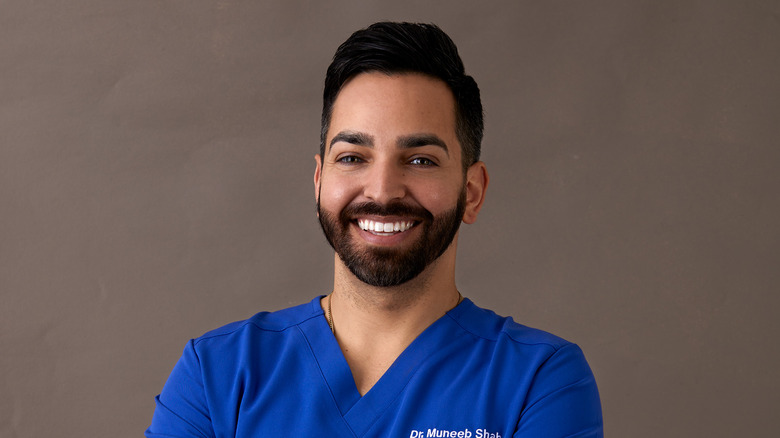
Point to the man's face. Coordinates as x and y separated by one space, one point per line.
390 187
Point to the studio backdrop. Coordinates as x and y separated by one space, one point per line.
156 164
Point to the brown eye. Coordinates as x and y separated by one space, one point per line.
421 161
349 159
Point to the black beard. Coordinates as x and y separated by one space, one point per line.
386 267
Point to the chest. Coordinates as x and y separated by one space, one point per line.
435 388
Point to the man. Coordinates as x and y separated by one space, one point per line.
394 350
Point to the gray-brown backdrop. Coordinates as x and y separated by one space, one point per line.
156 159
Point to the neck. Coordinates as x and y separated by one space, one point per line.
390 312
419 301
373 325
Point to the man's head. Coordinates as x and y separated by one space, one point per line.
391 48
392 182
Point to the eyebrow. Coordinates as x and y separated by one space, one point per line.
419 140
404 142
356 138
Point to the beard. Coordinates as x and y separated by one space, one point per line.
386 267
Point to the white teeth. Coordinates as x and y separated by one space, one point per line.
384 227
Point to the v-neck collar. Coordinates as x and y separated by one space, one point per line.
358 412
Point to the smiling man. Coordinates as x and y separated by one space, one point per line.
394 350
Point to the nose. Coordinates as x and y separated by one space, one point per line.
385 182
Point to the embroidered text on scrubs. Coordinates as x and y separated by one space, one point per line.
465 433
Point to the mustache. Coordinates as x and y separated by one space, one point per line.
391 209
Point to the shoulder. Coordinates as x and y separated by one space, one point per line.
546 374
279 321
515 343
490 326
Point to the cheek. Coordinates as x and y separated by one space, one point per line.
438 197
336 193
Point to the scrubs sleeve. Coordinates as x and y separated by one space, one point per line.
563 400
182 409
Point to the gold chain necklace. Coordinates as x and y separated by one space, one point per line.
329 315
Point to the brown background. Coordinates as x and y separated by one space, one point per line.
155 183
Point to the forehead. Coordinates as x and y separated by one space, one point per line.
394 105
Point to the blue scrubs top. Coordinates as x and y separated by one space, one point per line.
471 374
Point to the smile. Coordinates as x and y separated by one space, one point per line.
384 228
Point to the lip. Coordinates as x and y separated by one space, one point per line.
386 218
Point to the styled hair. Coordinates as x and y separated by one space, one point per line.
394 48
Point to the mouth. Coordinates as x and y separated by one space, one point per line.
379 228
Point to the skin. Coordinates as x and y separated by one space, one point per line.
392 139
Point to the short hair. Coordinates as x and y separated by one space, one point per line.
393 48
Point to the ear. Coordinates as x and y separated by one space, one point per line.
317 175
476 185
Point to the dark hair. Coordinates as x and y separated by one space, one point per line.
408 48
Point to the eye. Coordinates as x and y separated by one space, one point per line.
349 159
422 161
